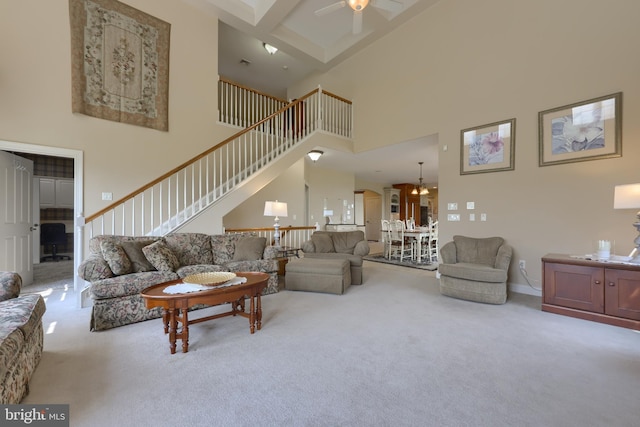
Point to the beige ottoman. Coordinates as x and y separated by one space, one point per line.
331 276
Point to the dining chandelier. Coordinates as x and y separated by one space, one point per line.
421 189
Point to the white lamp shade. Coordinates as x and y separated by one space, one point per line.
626 196
275 208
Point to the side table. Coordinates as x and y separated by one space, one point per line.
284 253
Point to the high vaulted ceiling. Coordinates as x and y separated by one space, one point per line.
309 43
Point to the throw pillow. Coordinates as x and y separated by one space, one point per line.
249 249
115 256
139 262
160 256
322 242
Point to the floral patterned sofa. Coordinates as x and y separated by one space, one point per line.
21 337
120 267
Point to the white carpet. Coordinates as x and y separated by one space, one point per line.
391 352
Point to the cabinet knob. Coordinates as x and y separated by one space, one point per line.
612 283
597 282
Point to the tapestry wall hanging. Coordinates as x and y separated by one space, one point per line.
119 63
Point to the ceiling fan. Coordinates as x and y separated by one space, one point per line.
358 6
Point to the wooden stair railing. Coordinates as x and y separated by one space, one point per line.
177 196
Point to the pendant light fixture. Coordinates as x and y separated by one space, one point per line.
421 189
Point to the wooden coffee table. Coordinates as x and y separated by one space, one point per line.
176 306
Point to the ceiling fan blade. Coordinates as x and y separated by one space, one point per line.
331 8
388 5
357 21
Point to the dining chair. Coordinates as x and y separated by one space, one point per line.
384 235
433 242
397 245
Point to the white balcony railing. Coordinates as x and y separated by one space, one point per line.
291 237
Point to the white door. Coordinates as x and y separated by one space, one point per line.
36 220
373 217
16 242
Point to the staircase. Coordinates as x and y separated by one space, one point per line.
225 175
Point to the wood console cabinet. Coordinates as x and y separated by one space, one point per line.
603 292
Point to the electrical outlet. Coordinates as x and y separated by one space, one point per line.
522 264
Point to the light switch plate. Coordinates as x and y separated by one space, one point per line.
471 205
107 196
483 217
472 217
452 206
453 217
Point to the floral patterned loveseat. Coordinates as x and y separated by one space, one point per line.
120 267
21 337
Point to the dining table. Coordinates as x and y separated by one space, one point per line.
419 234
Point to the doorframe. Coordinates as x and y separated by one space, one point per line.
78 215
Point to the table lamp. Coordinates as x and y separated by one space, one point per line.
627 196
276 209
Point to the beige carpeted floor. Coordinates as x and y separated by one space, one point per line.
391 352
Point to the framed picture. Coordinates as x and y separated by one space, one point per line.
488 148
582 131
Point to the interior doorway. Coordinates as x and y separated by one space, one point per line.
76 220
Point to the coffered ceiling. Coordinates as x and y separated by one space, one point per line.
311 42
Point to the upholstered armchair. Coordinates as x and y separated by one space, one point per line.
475 269
350 245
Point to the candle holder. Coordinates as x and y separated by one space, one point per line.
604 249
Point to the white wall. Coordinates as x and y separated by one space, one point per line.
465 63
288 187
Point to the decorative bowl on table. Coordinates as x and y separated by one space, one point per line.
209 279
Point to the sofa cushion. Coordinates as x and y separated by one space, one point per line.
10 284
323 243
345 242
354 260
475 272
116 257
186 270
159 254
139 262
96 241
249 248
132 284
263 265
190 248
223 246
24 313
477 250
